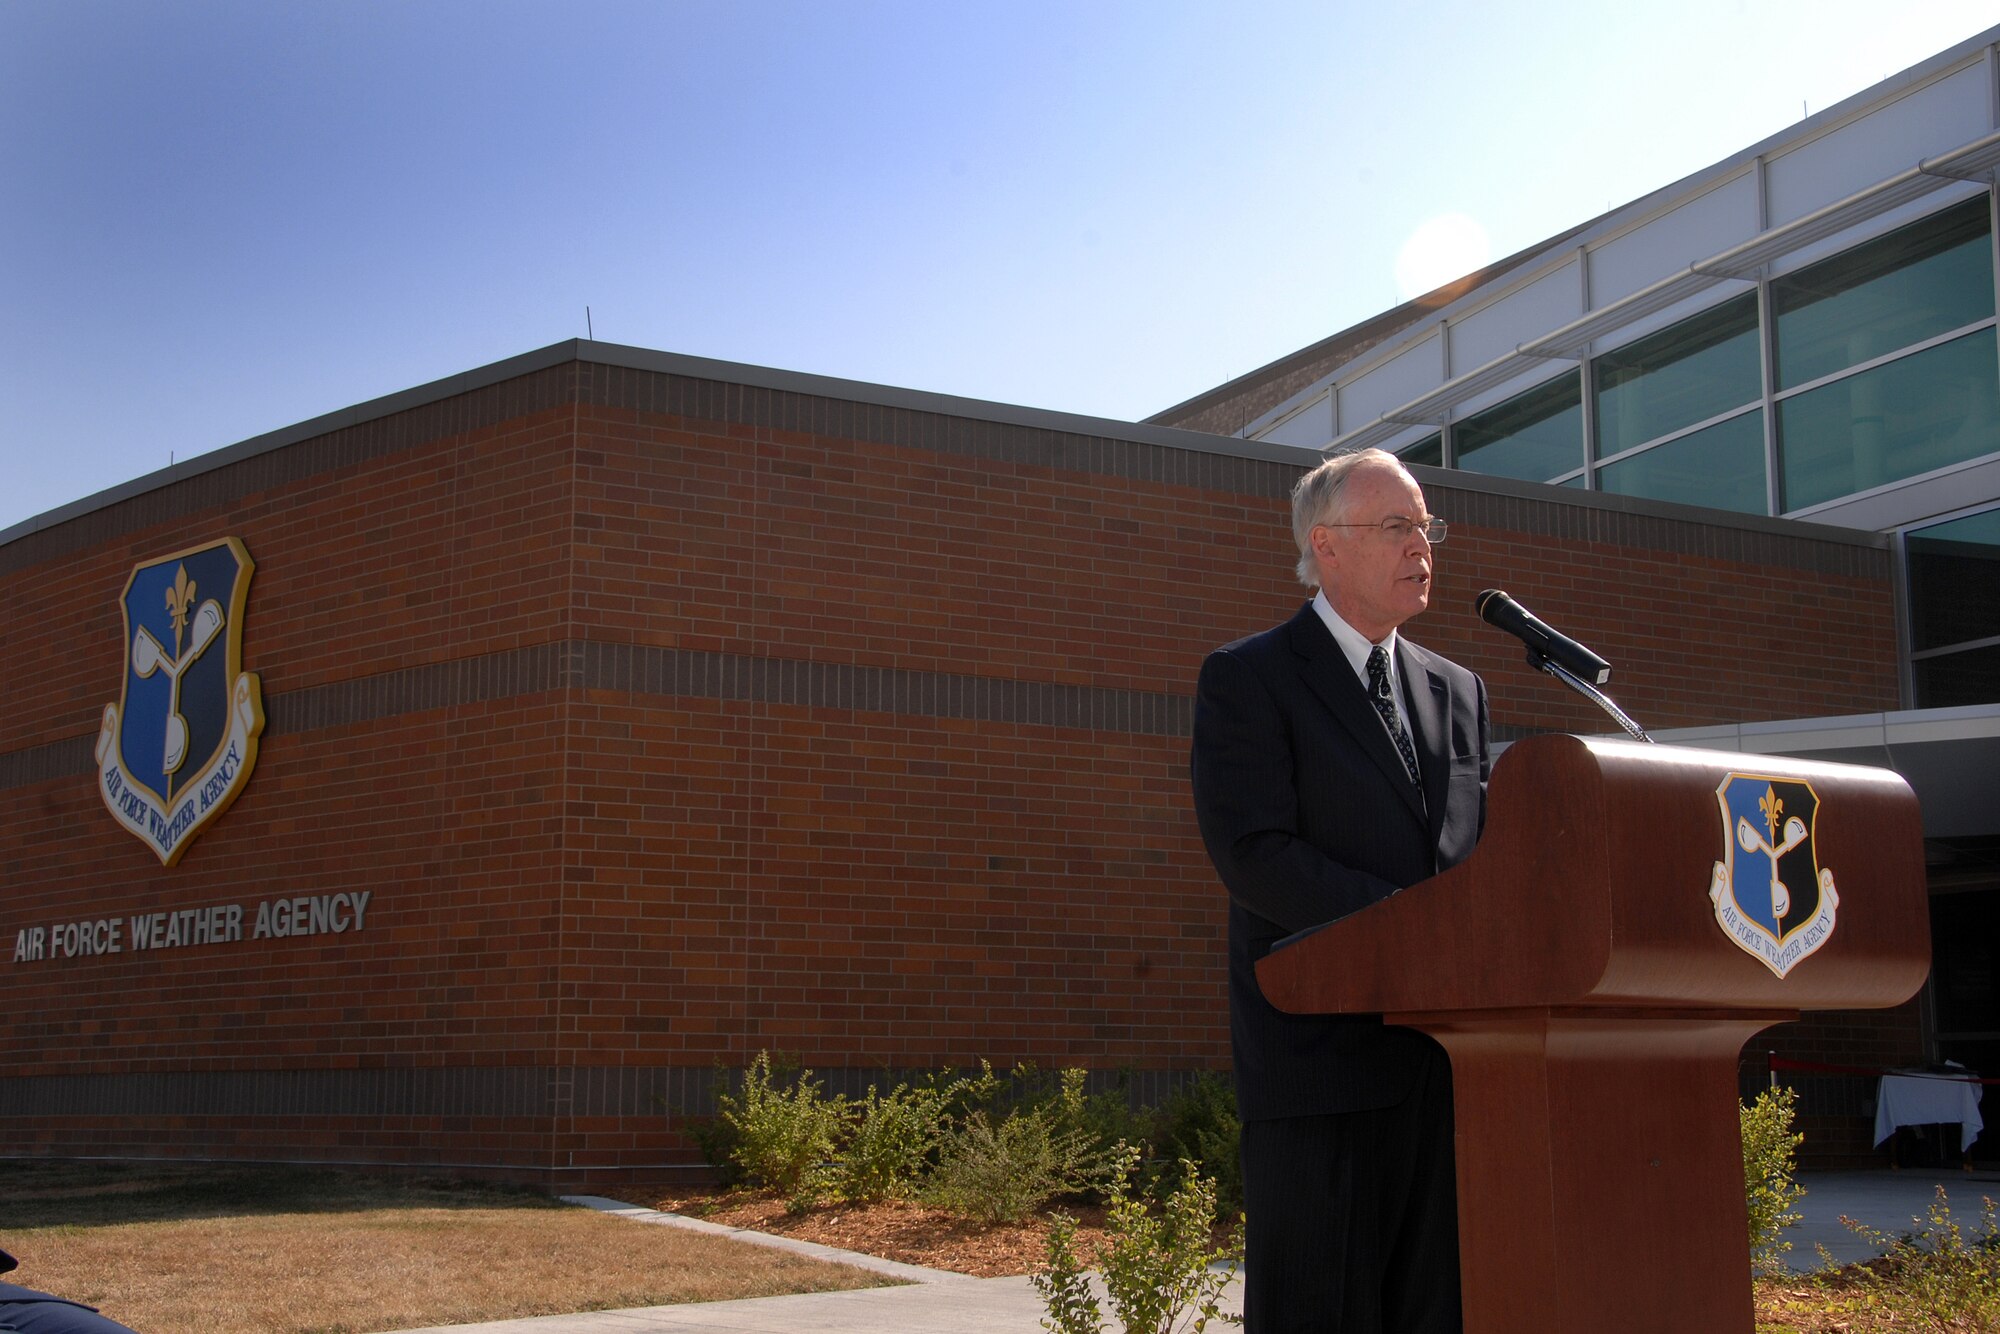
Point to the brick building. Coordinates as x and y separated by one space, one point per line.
625 714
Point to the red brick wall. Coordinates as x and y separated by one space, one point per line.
1836 1109
667 719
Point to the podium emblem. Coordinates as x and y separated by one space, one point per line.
179 745
1771 895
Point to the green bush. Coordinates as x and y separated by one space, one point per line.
1770 1188
1160 1266
1065 1283
713 1135
1196 1124
1935 1278
787 1131
979 1146
1040 1151
893 1142
889 1144
1196 1130
1111 1118
719 1140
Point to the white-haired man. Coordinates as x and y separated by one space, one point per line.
1334 763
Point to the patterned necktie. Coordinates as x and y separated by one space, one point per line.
1385 704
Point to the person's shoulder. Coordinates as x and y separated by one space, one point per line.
1264 643
1436 662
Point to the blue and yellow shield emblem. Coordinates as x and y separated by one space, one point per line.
179 746
1771 895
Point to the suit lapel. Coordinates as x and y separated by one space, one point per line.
1429 696
1331 678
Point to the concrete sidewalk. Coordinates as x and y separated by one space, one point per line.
969 1306
937 1302
1890 1202
932 1301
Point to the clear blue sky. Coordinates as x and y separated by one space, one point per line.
220 219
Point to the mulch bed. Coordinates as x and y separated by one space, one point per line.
897 1230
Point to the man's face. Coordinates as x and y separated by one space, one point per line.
1374 579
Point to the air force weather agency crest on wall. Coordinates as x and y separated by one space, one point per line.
1770 893
179 746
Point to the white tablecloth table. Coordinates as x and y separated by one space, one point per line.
1925 1100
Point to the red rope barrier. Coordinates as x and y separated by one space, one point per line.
1776 1062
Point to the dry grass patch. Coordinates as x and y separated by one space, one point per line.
232 1250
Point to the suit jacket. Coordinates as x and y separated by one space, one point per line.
31 1312
1308 814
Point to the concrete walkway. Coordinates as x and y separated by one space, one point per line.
973 1306
1890 1202
937 1302
932 1301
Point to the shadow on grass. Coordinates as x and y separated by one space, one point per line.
38 1193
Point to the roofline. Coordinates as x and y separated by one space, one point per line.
1586 234
671 363
1410 312
913 400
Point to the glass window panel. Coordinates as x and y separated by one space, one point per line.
1954 581
1533 436
1897 420
1689 372
1721 467
1952 679
1429 450
1915 283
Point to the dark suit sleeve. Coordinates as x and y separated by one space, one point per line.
1246 797
39 1313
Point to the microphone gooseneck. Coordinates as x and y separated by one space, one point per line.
1554 653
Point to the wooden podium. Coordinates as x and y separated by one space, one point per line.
1594 1003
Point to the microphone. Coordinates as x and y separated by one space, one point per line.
1497 609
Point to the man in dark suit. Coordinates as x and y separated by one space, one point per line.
1335 763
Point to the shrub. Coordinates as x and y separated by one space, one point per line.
1160 1266
1932 1279
894 1140
889 1145
785 1135
1065 1283
712 1134
971 1144
1111 1118
1770 1158
719 1141
1196 1130
1039 1152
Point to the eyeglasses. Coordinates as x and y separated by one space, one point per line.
1399 528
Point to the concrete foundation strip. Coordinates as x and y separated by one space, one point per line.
813 1250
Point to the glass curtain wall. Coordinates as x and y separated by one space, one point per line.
1954 580
1885 365
1679 413
1536 436
1885 359
1429 450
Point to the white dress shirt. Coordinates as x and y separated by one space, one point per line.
1357 646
